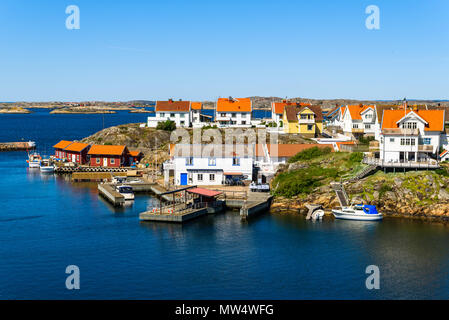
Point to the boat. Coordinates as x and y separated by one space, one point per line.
318 214
126 192
363 212
46 166
34 160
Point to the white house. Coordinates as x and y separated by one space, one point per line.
234 112
208 164
359 120
335 117
411 135
177 111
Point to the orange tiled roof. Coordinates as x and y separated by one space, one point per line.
196 105
234 105
356 110
279 106
107 150
62 144
134 153
434 119
76 147
170 105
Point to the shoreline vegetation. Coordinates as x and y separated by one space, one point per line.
14 110
306 178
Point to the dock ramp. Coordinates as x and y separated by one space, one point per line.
341 194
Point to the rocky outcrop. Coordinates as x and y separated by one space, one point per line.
423 195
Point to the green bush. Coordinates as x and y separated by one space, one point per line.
167 125
302 181
356 157
442 172
365 140
309 154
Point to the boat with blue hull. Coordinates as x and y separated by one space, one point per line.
364 212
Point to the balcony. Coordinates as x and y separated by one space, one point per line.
308 121
425 148
358 130
401 132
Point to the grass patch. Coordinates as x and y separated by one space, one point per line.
309 154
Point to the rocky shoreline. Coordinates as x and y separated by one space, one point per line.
412 195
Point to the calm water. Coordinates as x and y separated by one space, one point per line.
47 223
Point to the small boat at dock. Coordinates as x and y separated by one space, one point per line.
363 212
34 160
126 192
46 166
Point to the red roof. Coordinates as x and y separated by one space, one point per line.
204 192
175 106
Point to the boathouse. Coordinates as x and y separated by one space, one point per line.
135 156
59 149
108 156
76 152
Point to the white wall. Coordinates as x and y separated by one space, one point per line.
202 164
177 117
241 118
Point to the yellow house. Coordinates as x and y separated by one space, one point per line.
306 120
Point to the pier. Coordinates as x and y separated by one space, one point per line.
108 191
17 146
255 204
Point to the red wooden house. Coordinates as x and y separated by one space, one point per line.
77 152
108 156
59 149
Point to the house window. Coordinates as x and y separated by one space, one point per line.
427 141
98 161
162 114
412 141
112 161
303 117
234 115
189 161
223 114
182 122
309 127
211 177
235 161
367 126
355 126
172 115
182 115
78 157
409 125
391 139
212 162
200 177
243 122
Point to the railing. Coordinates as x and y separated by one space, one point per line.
357 130
422 147
426 164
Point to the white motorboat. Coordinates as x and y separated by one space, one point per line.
47 167
358 212
34 160
318 214
126 192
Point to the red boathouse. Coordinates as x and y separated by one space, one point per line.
77 152
108 156
59 149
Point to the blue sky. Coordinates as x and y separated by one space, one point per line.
200 50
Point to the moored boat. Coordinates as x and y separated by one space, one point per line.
126 192
46 166
34 160
363 212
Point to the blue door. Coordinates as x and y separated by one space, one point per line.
183 179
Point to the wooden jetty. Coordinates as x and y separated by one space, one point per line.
72 169
181 209
109 193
